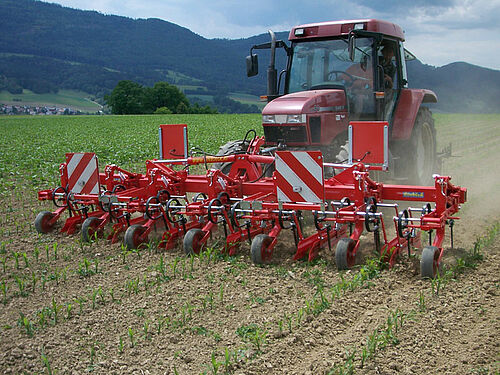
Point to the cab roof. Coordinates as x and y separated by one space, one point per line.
343 27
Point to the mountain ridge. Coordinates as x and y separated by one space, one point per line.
86 50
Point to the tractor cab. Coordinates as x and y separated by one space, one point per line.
336 72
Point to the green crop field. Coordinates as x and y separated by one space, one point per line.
33 147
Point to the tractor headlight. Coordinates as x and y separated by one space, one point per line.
296 119
268 119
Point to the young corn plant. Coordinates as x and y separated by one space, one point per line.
26 324
4 263
55 247
131 337
46 363
4 287
69 308
421 302
36 253
21 285
120 346
55 309
34 279
26 261
147 333
84 268
214 364
16 258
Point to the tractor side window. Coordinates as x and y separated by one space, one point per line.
391 82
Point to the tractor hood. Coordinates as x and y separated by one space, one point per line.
307 102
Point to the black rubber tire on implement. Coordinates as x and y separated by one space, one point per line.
343 254
230 148
418 159
132 239
89 228
429 266
42 222
191 241
258 249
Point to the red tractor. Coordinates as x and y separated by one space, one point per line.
342 71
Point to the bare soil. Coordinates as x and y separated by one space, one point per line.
158 312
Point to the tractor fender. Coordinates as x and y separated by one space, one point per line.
406 112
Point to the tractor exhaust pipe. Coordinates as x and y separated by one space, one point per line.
272 74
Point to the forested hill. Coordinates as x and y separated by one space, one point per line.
46 47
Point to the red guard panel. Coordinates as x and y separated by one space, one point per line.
173 141
299 176
368 142
83 173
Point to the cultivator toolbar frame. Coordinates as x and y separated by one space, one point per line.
249 207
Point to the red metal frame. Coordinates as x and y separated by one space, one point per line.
245 205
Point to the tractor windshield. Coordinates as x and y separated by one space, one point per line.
325 64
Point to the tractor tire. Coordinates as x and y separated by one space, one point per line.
230 148
418 159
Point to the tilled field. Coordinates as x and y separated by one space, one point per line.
70 308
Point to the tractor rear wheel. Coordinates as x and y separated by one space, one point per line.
419 157
230 148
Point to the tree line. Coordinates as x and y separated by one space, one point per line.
129 98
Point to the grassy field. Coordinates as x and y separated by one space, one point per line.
247 99
67 307
64 98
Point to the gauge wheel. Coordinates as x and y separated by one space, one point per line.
259 250
429 263
42 222
192 241
133 236
89 228
344 253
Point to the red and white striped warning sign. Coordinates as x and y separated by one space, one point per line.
299 176
83 173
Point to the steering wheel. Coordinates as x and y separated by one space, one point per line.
338 72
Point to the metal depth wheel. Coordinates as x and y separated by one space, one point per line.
132 238
89 228
42 220
429 263
259 250
191 243
344 256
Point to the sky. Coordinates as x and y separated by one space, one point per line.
438 32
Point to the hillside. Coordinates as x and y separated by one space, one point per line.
45 47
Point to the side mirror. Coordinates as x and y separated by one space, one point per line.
352 46
252 65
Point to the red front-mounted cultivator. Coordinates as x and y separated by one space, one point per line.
247 206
